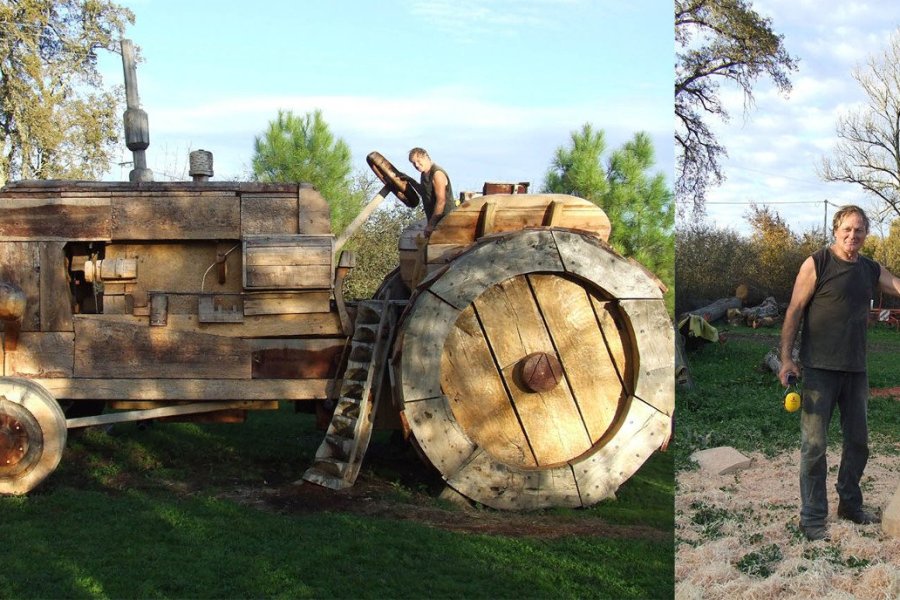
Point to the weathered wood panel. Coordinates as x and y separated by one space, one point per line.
105 348
289 262
586 359
20 265
178 269
187 389
513 212
514 328
655 344
37 354
286 303
167 217
297 359
315 215
269 214
479 400
56 298
260 326
49 217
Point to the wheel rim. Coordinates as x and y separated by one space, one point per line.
32 435
521 466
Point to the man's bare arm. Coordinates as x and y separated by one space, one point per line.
888 282
804 286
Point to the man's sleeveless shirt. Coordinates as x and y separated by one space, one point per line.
834 322
428 199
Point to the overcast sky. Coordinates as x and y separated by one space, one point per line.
774 152
490 87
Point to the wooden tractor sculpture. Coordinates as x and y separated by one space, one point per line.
527 361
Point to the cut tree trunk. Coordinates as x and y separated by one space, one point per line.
717 309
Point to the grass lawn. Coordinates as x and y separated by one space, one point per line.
181 510
737 402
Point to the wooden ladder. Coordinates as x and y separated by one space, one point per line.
340 455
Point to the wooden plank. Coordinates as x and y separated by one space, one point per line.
519 211
514 328
599 474
594 260
155 413
44 217
56 297
655 344
494 260
269 213
116 349
288 262
443 253
162 217
589 369
438 434
188 389
479 399
617 336
289 277
260 326
315 215
507 488
292 361
41 354
286 303
20 265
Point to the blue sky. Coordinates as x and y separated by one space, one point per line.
774 150
490 88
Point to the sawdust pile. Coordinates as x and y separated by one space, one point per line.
738 536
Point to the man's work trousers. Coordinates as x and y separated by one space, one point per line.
822 391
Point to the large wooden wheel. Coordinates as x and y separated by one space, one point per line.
537 370
32 435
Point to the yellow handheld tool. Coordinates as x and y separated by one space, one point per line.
791 395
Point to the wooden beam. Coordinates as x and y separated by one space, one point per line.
187 389
155 413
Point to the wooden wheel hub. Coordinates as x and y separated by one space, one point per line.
541 372
20 437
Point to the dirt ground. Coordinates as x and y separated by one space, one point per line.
409 494
738 536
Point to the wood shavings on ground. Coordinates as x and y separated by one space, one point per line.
738 536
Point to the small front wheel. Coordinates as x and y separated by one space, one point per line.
32 435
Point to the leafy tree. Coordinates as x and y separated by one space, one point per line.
868 151
720 40
56 118
375 245
304 149
709 263
638 204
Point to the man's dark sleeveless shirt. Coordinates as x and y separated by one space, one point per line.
834 322
428 199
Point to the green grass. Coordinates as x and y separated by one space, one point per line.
151 513
737 402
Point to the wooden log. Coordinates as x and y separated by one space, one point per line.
715 311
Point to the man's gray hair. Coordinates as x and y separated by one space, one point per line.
843 212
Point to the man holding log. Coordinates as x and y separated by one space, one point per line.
832 294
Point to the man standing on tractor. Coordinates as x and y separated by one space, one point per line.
434 188
832 294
